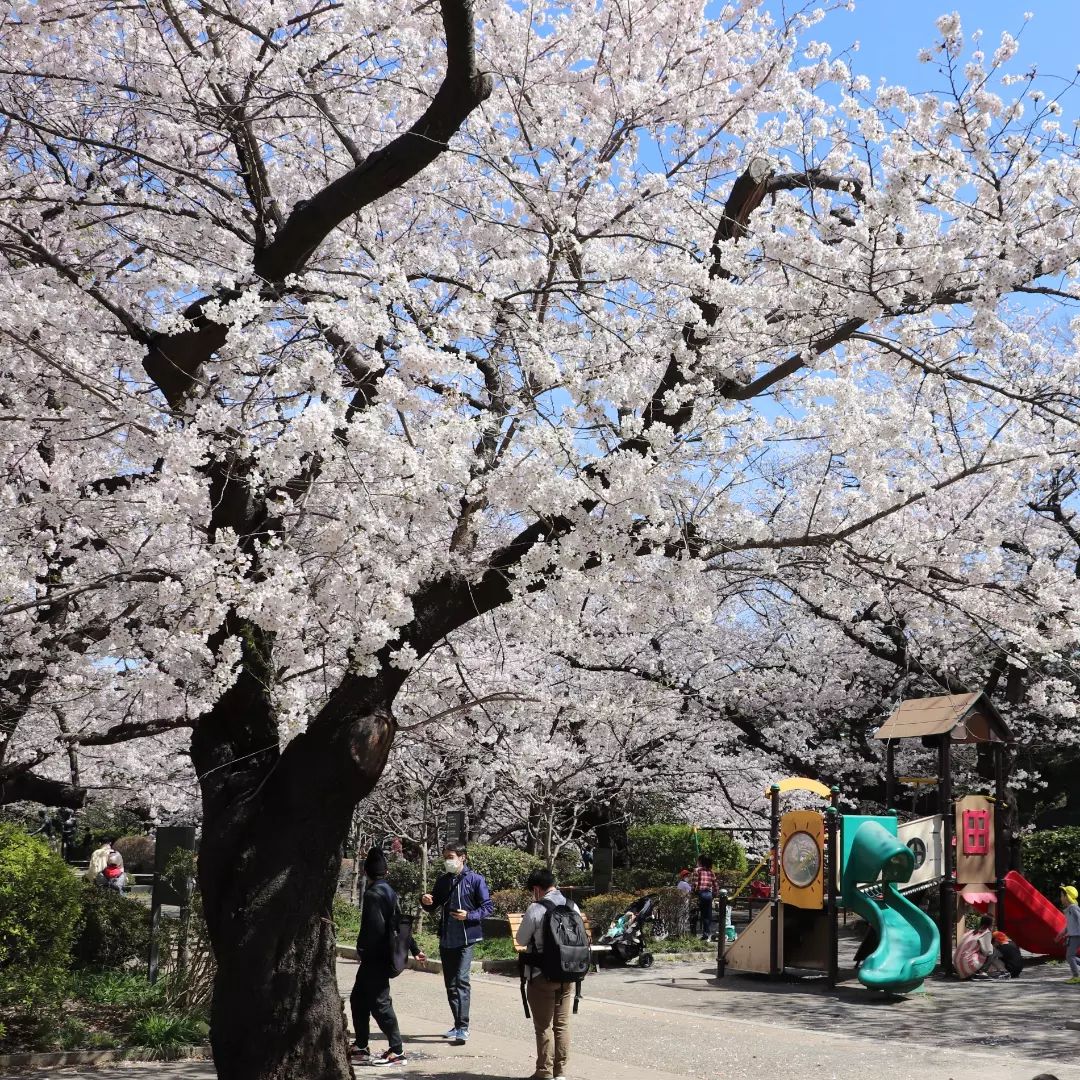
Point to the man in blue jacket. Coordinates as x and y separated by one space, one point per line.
461 898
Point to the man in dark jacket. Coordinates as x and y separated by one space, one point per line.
371 992
461 898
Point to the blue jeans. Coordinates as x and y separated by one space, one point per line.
705 910
455 972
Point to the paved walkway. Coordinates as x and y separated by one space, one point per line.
676 1021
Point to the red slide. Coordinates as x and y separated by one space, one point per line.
1030 919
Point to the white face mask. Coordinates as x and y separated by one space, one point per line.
452 866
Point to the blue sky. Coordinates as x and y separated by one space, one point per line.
891 33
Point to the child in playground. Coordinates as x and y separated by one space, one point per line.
1071 933
1008 952
974 956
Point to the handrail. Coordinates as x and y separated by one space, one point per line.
750 877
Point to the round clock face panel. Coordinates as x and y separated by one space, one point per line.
801 859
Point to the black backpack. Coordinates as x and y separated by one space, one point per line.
400 928
566 954
398 931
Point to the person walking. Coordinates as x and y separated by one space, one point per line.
550 1002
370 995
1071 934
703 886
462 899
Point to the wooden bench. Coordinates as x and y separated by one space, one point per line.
515 925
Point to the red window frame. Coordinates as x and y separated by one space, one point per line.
975 828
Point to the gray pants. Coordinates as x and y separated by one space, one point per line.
1071 945
457 964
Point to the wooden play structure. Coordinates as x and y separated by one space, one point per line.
822 861
966 842
798 927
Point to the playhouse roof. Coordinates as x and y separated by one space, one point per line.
970 717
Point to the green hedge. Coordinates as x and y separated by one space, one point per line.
404 879
1052 859
503 867
112 931
39 912
658 852
99 822
510 901
604 909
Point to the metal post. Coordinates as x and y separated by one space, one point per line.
890 772
1001 831
721 944
774 881
947 889
831 822
155 942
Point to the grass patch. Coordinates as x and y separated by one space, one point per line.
488 949
167 1035
681 945
122 989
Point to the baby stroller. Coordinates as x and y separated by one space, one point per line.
626 935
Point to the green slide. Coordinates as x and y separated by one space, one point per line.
908 940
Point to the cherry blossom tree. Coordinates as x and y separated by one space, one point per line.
331 328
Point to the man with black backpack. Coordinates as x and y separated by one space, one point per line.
554 963
381 947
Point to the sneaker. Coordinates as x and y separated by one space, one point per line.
461 1036
360 1055
451 1034
388 1057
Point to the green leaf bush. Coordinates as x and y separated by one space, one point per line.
404 879
503 867
39 913
604 909
658 852
1052 859
166 1034
346 920
113 930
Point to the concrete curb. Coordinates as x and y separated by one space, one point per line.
510 966
68 1058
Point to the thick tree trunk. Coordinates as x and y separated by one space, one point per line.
269 862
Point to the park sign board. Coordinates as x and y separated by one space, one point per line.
455 827
169 839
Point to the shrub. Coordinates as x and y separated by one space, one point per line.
510 900
125 990
658 852
99 822
404 879
604 909
138 852
346 920
673 912
39 911
113 930
503 867
1052 859
166 1034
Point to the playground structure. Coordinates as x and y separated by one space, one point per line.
822 861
